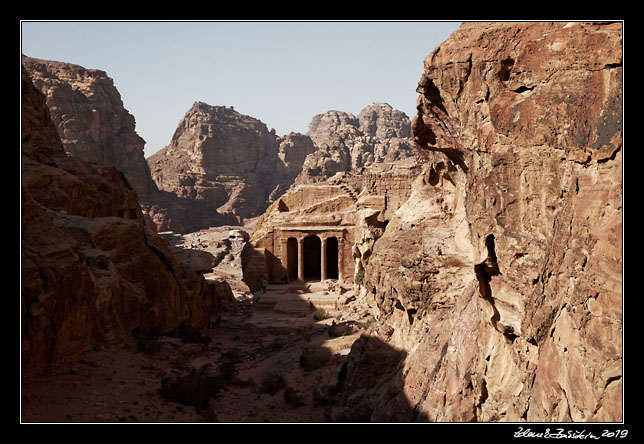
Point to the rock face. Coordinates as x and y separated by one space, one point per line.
92 273
230 162
500 278
379 135
90 118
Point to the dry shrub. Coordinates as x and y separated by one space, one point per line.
194 388
272 382
292 397
313 357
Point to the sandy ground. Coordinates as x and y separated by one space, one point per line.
261 342
123 385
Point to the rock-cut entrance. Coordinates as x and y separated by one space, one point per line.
332 258
313 257
312 247
291 258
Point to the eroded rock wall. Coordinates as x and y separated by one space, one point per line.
221 162
509 307
380 136
92 273
227 162
94 126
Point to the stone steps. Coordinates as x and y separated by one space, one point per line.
349 191
286 309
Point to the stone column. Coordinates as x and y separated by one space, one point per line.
284 256
300 259
323 258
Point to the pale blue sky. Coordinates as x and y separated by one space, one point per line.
282 73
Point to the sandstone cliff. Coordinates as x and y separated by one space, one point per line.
379 136
228 161
90 118
231 164
498 284
92 273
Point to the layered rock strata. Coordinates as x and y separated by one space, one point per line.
92 272
498 284
221 162
221 166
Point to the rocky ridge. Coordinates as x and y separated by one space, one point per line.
227 160
221 167
232 164
510 307
94 126
497 284
380 136
90 118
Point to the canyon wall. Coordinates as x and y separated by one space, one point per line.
220 167
92 271
94 126
498 283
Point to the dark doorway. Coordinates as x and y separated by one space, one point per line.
312 254
332 258
291 258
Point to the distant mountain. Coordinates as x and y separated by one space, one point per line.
379 136
220 167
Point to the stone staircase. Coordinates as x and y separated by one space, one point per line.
349 190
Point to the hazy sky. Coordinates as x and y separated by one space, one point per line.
282 73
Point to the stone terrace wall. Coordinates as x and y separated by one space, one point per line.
396 187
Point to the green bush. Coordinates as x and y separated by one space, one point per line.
291 397
359 277
337 330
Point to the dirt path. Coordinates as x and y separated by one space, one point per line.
256 354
